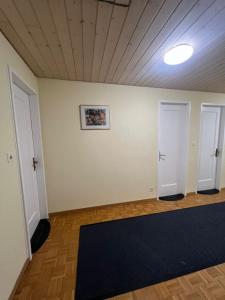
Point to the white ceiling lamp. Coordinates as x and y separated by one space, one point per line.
178 54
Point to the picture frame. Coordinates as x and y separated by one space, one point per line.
94 117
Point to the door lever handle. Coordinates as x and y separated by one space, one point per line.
217 152
35 162
161 156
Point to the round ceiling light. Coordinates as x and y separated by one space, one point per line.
178 54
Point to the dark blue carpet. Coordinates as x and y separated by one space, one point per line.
123 255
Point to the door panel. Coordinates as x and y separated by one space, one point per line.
172 149
26 154
209 139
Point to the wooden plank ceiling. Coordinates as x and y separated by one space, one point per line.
90 40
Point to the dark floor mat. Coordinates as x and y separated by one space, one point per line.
124 255
209 192
172 197
40 235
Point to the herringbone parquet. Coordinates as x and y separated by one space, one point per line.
51 273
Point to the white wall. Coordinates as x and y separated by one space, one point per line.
13 252
90 168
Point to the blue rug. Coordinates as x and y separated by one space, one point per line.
124 255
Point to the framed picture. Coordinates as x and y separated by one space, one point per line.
94 117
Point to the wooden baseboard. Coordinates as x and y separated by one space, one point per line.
104 206
88 209
19 279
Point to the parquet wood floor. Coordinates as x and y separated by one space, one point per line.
51 273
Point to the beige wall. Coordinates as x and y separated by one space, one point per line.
12 231
89 168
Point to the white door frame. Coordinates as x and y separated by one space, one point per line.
14 78
221 143
188 103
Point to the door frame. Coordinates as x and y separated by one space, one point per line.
188 111
14 78
221 143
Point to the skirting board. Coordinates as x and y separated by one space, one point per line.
19 279
105 206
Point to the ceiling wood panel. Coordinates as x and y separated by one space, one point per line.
43 13
206 75
208 38
187 32
95 41
117 21
102 28
157 26
138 63
149 15
134 14
17 43
60 19
89 26
16 21
29 18
74 12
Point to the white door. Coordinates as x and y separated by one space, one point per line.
172 149
23 124
209 140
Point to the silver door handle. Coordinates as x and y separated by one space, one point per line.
161 156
